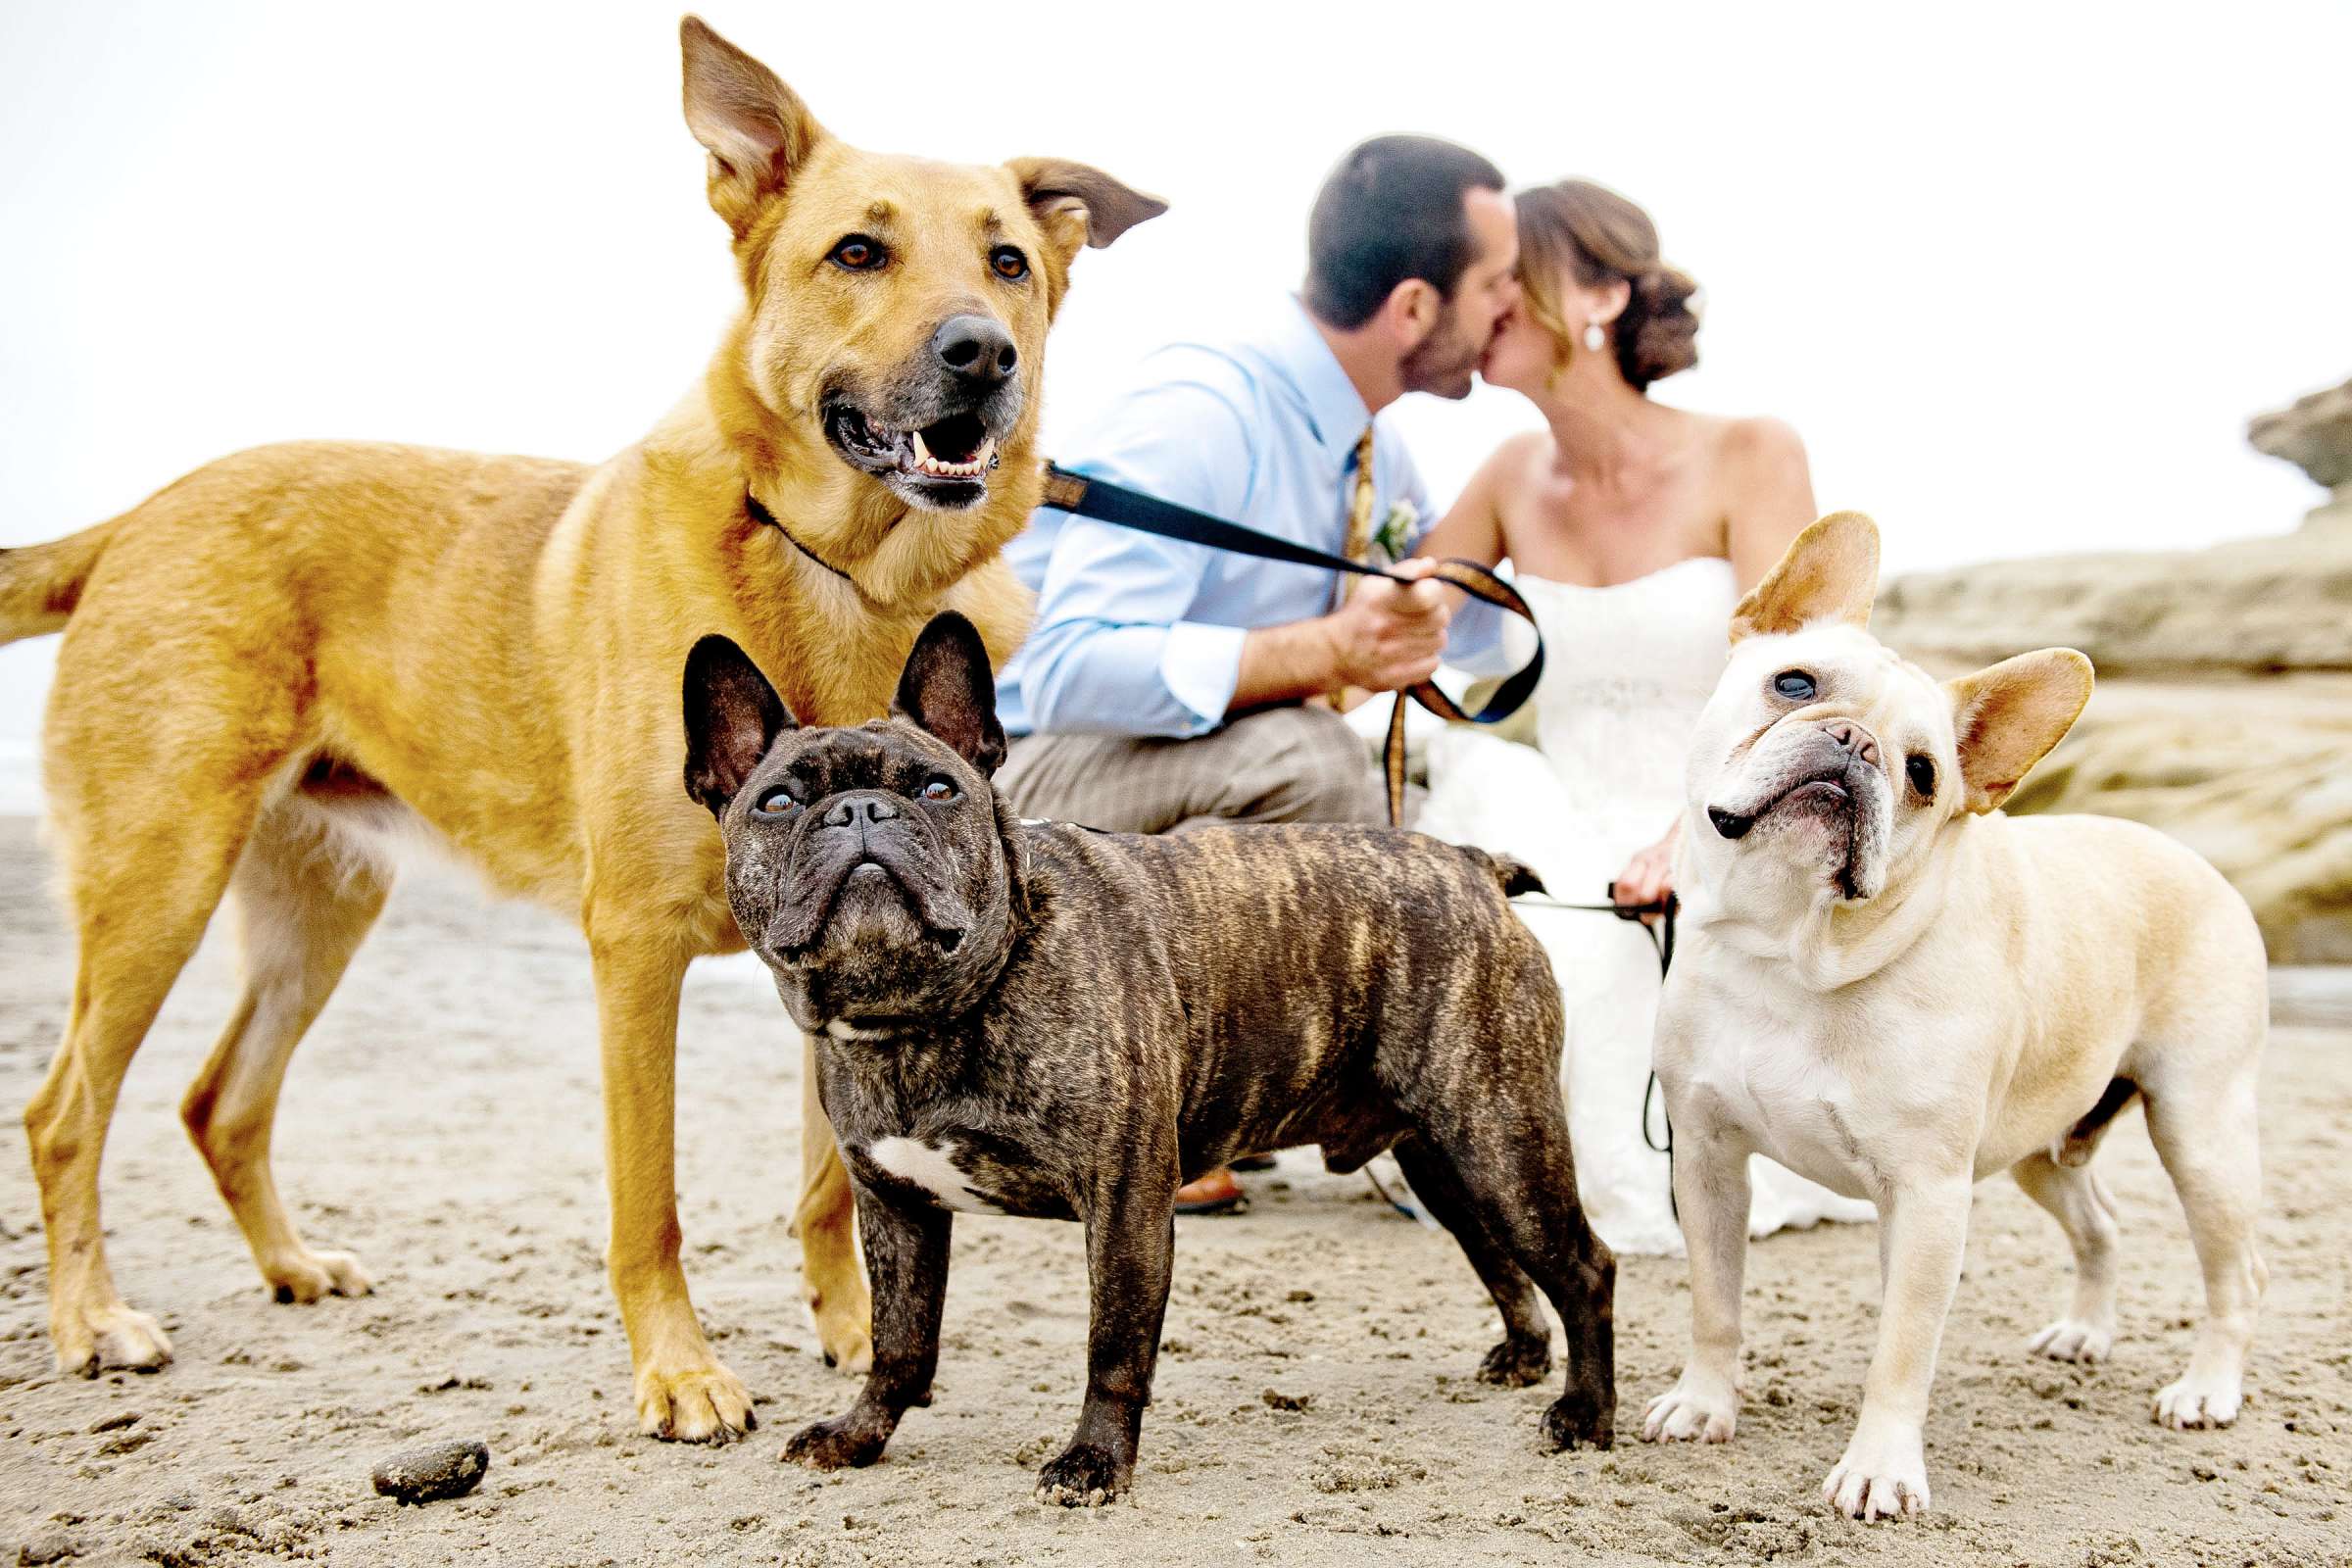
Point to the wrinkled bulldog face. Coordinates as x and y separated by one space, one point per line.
1830 757
869 866
1826 761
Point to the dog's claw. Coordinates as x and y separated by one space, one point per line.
703 1405
2074 1340
1081 1475
1516 1362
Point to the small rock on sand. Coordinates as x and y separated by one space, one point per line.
435 1471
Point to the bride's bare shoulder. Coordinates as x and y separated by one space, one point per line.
1754 443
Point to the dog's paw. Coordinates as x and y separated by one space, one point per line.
843 1443
1884 1475
1579 1418
2198 1401
307 1277
704 1403
842 1338
2072 1338
1697 1409
1084 1475
108 1339
1516 1362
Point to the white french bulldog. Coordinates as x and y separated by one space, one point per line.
1891 987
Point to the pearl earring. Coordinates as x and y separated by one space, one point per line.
1594 338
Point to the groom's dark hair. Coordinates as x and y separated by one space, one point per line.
1390 211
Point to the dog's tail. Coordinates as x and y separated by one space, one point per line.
40 584
1516 876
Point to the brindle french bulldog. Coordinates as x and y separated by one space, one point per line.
1040 1019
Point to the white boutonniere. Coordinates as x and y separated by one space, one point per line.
1397 532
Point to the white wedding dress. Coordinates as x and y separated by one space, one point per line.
1626 670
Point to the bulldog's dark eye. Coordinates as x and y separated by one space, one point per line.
1794 685
1008 263
940 789
775 802
859 253
1921 770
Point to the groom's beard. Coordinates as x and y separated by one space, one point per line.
1447 361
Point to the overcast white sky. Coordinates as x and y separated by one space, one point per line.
2018 273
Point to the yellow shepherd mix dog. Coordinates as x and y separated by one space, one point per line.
303 646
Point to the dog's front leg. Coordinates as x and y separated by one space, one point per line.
906 1255
1130 1249
1711 1196
1924 1231
839 1306
682 1391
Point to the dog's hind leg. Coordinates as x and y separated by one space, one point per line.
1518 1177
2081 1205
2207 1141
302 911
1525 1354
143 874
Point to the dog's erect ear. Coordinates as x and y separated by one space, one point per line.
756 129
1830 572
733 716
1078 206
948 690
2006 718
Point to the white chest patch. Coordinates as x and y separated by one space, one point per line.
929 1166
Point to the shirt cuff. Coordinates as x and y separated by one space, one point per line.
1475 640
1202 664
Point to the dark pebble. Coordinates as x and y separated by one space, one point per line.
436 1471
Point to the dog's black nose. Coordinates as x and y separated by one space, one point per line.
1731 824
976 347
854 808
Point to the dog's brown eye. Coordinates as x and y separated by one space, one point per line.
775 802
1921 770
939 789
859 253
1009 265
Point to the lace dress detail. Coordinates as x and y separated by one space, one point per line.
1627 669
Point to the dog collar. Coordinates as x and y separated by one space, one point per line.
757 511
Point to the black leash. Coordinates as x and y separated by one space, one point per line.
1082 497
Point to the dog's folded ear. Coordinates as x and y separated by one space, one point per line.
1078 206
756 129
948 690
2006 718
1830 572
733 716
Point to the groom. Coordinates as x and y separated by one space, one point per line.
1166 685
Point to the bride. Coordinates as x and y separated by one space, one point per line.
1633 529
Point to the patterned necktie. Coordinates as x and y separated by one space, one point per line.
1360 548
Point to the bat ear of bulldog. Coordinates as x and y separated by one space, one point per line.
733 716
2007 717
756 129
948 690
1078 206
1830 572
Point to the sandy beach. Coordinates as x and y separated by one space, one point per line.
1314 1402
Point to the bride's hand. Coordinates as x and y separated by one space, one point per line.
1648 877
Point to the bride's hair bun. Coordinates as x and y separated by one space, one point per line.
1588 231
1658 333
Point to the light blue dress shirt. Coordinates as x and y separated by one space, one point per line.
1139 635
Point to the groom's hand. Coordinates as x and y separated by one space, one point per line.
1390 635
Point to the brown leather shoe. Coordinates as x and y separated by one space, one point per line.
1216 1193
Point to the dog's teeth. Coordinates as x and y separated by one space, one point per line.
923 452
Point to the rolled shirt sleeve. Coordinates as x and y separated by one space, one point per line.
1111 650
